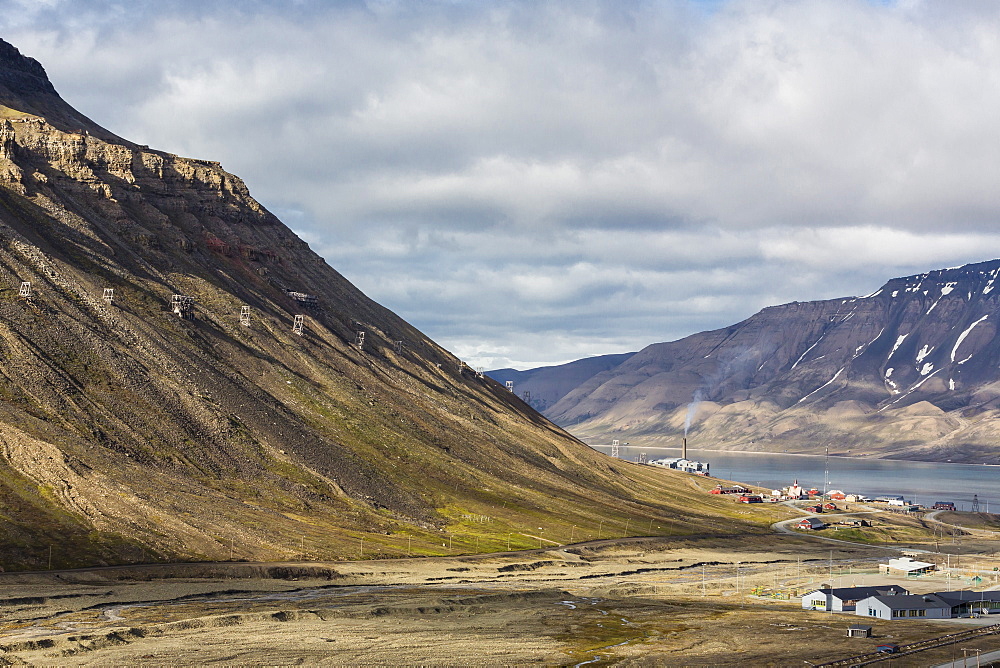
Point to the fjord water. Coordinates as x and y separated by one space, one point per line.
920 482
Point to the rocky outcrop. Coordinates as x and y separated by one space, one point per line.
22 75
842 373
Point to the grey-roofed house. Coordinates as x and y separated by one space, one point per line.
811 523
971 602
845 599
928 606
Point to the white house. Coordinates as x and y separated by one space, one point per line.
939 605
927 606
843 599
794 491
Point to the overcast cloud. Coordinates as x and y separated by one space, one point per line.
531 183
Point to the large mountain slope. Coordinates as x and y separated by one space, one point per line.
130 433
912 370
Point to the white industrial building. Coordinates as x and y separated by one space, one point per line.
681 464
906 566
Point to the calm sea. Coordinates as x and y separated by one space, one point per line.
920 482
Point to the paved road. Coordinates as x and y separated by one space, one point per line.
971 660
784 527
932 517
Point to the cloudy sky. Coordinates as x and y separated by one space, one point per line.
535 182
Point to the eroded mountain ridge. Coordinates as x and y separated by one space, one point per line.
130 433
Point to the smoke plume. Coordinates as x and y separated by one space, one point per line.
692 410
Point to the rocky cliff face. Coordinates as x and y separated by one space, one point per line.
908 371
130 432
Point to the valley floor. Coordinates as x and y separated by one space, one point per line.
681 601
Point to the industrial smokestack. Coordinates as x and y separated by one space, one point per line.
684 448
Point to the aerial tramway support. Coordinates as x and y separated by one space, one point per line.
182 306
298 324
614 448
245 316
510 385
109 295
25 292
359 340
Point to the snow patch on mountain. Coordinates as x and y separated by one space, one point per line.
899 342
823 385
806 352
909 391
961 337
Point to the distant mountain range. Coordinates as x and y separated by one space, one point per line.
909 371
544 386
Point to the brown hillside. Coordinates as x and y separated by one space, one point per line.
130 433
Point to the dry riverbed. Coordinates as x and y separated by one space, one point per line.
674 601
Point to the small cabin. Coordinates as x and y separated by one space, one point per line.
859 631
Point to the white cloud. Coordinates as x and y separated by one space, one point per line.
602 174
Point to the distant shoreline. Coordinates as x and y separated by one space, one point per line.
787 454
